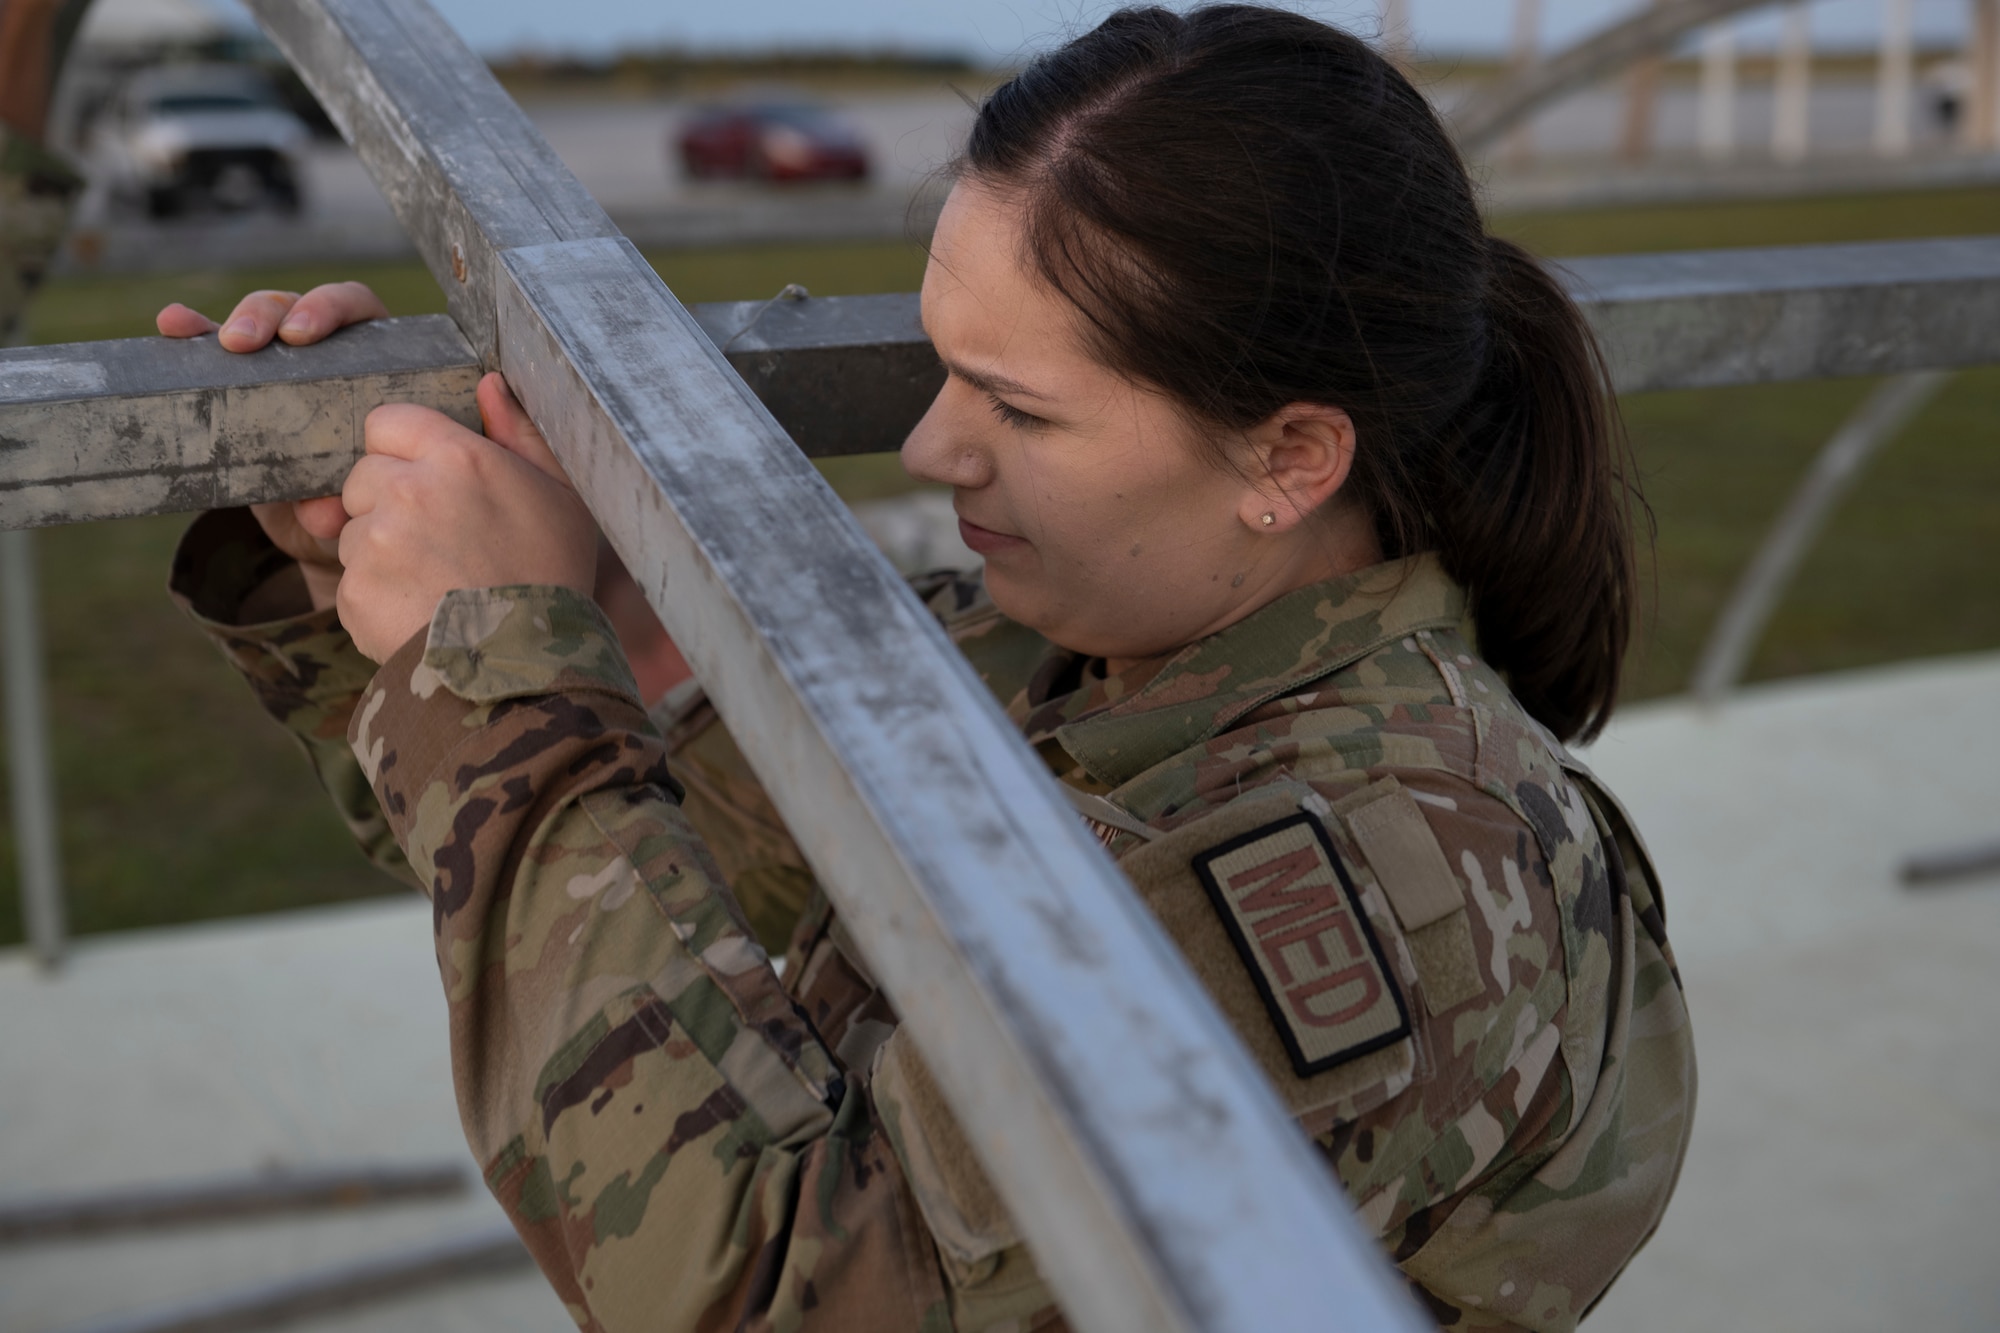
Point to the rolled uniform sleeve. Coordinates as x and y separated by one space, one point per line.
247 597
663 1125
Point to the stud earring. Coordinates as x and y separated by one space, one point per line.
1269 519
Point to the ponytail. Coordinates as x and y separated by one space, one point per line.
1532 503
1306 232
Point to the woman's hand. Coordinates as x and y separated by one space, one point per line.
434 506
306 530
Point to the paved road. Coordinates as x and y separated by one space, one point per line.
621 152
619 149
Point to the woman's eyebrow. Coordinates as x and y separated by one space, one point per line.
994 384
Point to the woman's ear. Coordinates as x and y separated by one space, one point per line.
1301 456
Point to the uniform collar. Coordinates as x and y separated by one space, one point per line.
1277 650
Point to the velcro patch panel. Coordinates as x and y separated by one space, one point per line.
1295 918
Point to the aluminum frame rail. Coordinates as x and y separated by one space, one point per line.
101 430
1151 1167
1706 318
163 425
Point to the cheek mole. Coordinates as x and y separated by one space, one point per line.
1135 549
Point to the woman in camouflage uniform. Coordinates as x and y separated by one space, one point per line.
1306 539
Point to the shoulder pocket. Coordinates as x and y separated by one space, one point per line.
1264 906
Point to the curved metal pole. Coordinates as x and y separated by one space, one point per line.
35 36
1880 417
1497 108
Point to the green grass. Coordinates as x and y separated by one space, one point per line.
178 805
1704 226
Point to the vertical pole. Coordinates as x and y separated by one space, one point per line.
1893 76
1523 56
33 780
1977 120
1715 115
1642 97
1791 117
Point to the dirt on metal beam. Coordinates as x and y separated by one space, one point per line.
161 425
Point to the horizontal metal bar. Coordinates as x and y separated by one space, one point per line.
100 430
163 425
1153 1170
316 1190
327 1290
842 375
1706 318
158 425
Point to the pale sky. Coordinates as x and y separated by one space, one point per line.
997 30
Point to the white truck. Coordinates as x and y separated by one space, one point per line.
180 138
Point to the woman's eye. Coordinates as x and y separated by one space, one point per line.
1013 415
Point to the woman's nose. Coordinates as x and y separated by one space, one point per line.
945 447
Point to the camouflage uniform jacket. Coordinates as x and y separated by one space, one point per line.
1439 936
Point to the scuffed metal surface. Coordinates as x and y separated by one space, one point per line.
190 426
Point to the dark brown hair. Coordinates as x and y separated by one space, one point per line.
1250 208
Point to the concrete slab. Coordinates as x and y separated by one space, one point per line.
1848 1134
1848 1131
311 1038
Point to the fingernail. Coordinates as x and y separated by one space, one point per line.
245 327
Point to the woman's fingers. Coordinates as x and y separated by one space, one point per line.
509 426
179 321
264 315
254 321
368 481
406 431
328 308
433 506
322 518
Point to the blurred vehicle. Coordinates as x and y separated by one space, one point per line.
183 136
773 141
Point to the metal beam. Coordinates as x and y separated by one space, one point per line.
190 426
1753 316
843 375
318 1189
1506 102
30 770
329 1290
1879 419
161 425
1153 1170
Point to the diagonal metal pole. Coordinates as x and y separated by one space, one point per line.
1499 106
1881 415
1154 1172
331 1290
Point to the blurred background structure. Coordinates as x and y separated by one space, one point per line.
1850 1119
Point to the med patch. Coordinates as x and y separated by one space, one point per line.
1293 915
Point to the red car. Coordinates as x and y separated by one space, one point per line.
774 141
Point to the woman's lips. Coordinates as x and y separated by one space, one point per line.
985 540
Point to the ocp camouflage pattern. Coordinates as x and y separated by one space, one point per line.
687 1142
